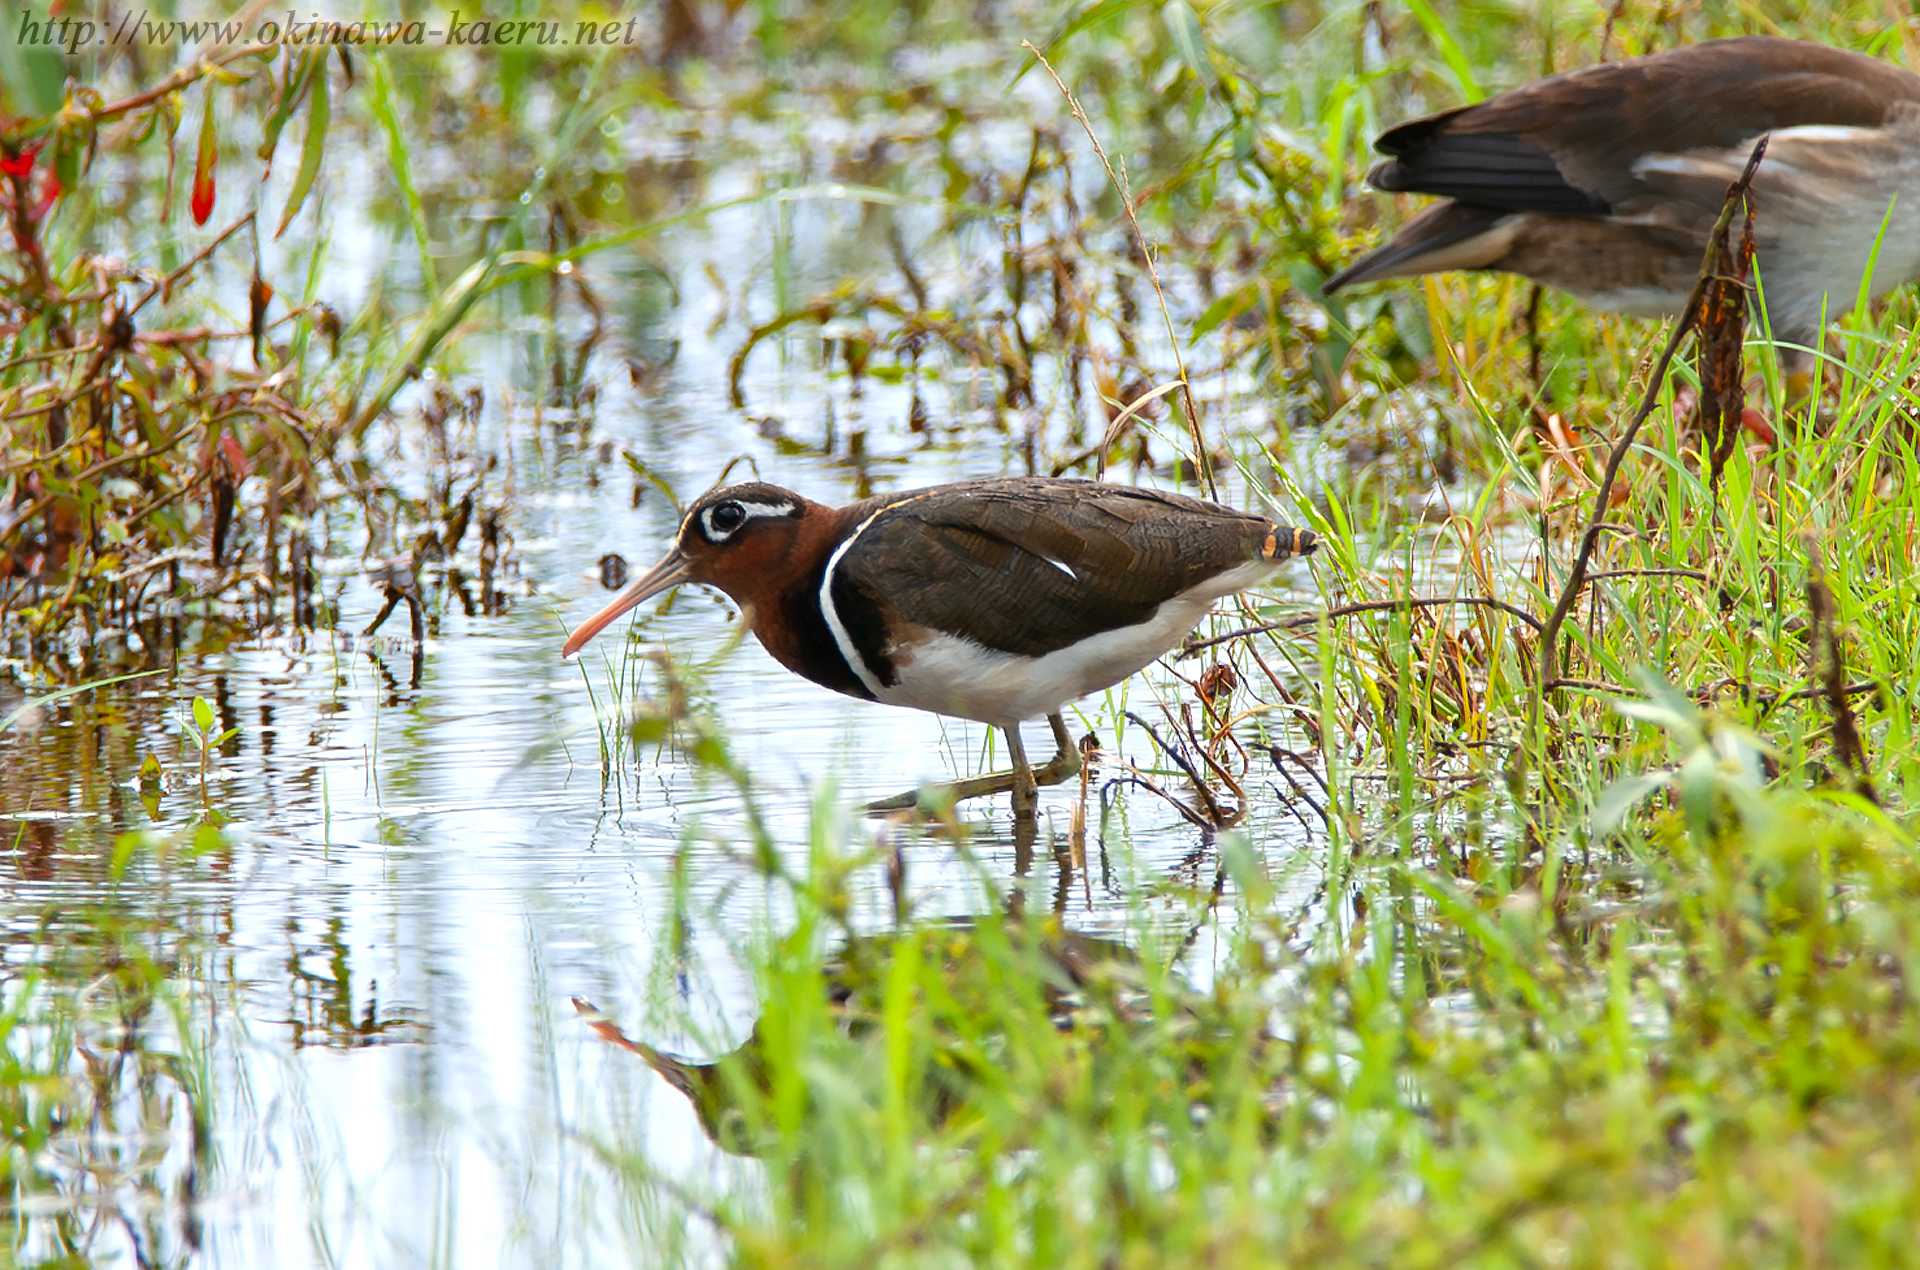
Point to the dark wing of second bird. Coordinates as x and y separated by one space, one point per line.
1032 566
1568 143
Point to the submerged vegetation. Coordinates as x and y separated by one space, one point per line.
1582 955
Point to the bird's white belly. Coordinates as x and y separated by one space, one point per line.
948 674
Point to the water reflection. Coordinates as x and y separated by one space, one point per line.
1080 978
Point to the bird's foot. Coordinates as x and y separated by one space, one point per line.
935 797
1023 782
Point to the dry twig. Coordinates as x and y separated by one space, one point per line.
1577 574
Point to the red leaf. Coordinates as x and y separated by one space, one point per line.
259 295
1756 423
19 164
202 201
235 456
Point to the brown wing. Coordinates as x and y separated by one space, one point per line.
1567 144
1032 565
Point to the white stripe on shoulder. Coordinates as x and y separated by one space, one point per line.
848 652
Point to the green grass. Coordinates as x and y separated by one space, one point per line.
1690 1044
104 1050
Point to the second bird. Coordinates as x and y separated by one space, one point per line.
1606 182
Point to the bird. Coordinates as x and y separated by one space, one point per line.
997 600
1090 987
1605 182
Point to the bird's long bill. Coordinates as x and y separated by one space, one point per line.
669 573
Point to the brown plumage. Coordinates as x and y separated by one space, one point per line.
1606 181
1062 560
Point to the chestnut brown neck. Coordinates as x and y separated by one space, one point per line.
774 575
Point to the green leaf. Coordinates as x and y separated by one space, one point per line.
1184 25
1744 753
1243 144
1698 782
1247 870
32 75
124 847
1225 309
202 715
1449 49
1668 709
1085 19
310 153
1665 694
69 148
651 730
1660 716
28 707
399 154
1622 797
299 72
1411 324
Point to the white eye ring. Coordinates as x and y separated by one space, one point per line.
732 513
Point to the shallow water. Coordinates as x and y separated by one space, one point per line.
367 995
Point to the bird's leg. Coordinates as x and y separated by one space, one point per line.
1063 764
1026 794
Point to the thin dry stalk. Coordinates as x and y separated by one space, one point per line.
1602 499
1369 606
1153 275
1826 667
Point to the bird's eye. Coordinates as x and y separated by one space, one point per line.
727 517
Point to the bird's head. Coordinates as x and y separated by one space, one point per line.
740 538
